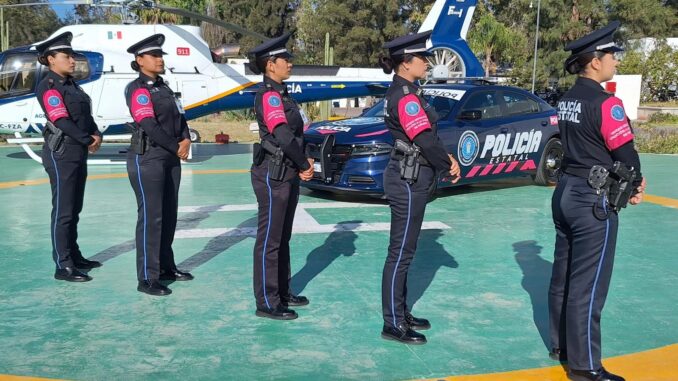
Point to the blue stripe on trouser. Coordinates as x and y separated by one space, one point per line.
56 214
268 230
402 246
595 282
143 203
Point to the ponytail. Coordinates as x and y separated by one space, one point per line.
577 64
386 64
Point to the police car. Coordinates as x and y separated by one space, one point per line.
494 132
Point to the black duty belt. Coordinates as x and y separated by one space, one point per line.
579 172
422 160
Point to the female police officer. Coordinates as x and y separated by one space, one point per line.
68 138
161 138
595 132
413 122
279 163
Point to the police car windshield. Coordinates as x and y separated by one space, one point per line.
442 105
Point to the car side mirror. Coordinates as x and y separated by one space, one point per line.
470 115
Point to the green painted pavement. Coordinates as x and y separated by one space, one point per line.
482 283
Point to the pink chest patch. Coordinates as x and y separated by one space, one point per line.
54 105
274 111
412 116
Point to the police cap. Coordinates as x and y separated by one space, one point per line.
149 45
274 47
60 43
598 40
409 44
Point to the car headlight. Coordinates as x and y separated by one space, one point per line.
370 149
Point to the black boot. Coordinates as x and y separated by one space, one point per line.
71 274
82 263
175 275
280 312
294 301
416 323
153 287
593 375
403 333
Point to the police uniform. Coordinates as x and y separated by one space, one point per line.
69 109
594 130
281 126
155 174
412 120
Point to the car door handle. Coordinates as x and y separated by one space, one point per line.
504 130
544 123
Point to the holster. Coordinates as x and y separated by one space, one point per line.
276 161
616 183
408 160
621 185
139 142
54 138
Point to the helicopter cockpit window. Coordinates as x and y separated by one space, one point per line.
81 67
18 75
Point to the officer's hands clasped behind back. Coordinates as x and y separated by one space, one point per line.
455 171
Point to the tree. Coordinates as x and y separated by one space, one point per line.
493 41
271 18
643 18
357 28
156 16
659 70
85 14
28 25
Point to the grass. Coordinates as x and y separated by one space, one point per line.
658 135
238 131
661 104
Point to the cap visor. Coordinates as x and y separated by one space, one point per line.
613 49
61 50
156 52
284 55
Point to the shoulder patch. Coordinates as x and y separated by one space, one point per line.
55 108
412 117
412 108
141 106
273 109
142 99
617 113
615 127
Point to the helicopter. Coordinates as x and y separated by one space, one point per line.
203 84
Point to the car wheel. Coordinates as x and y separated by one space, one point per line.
549 165
195 135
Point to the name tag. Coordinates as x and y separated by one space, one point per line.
179 106
307 122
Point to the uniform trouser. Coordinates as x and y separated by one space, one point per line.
408 204
277 203
67 176
582 267
155 177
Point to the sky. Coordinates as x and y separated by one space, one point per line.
61 9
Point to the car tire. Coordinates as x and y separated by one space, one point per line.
549 165
195 136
